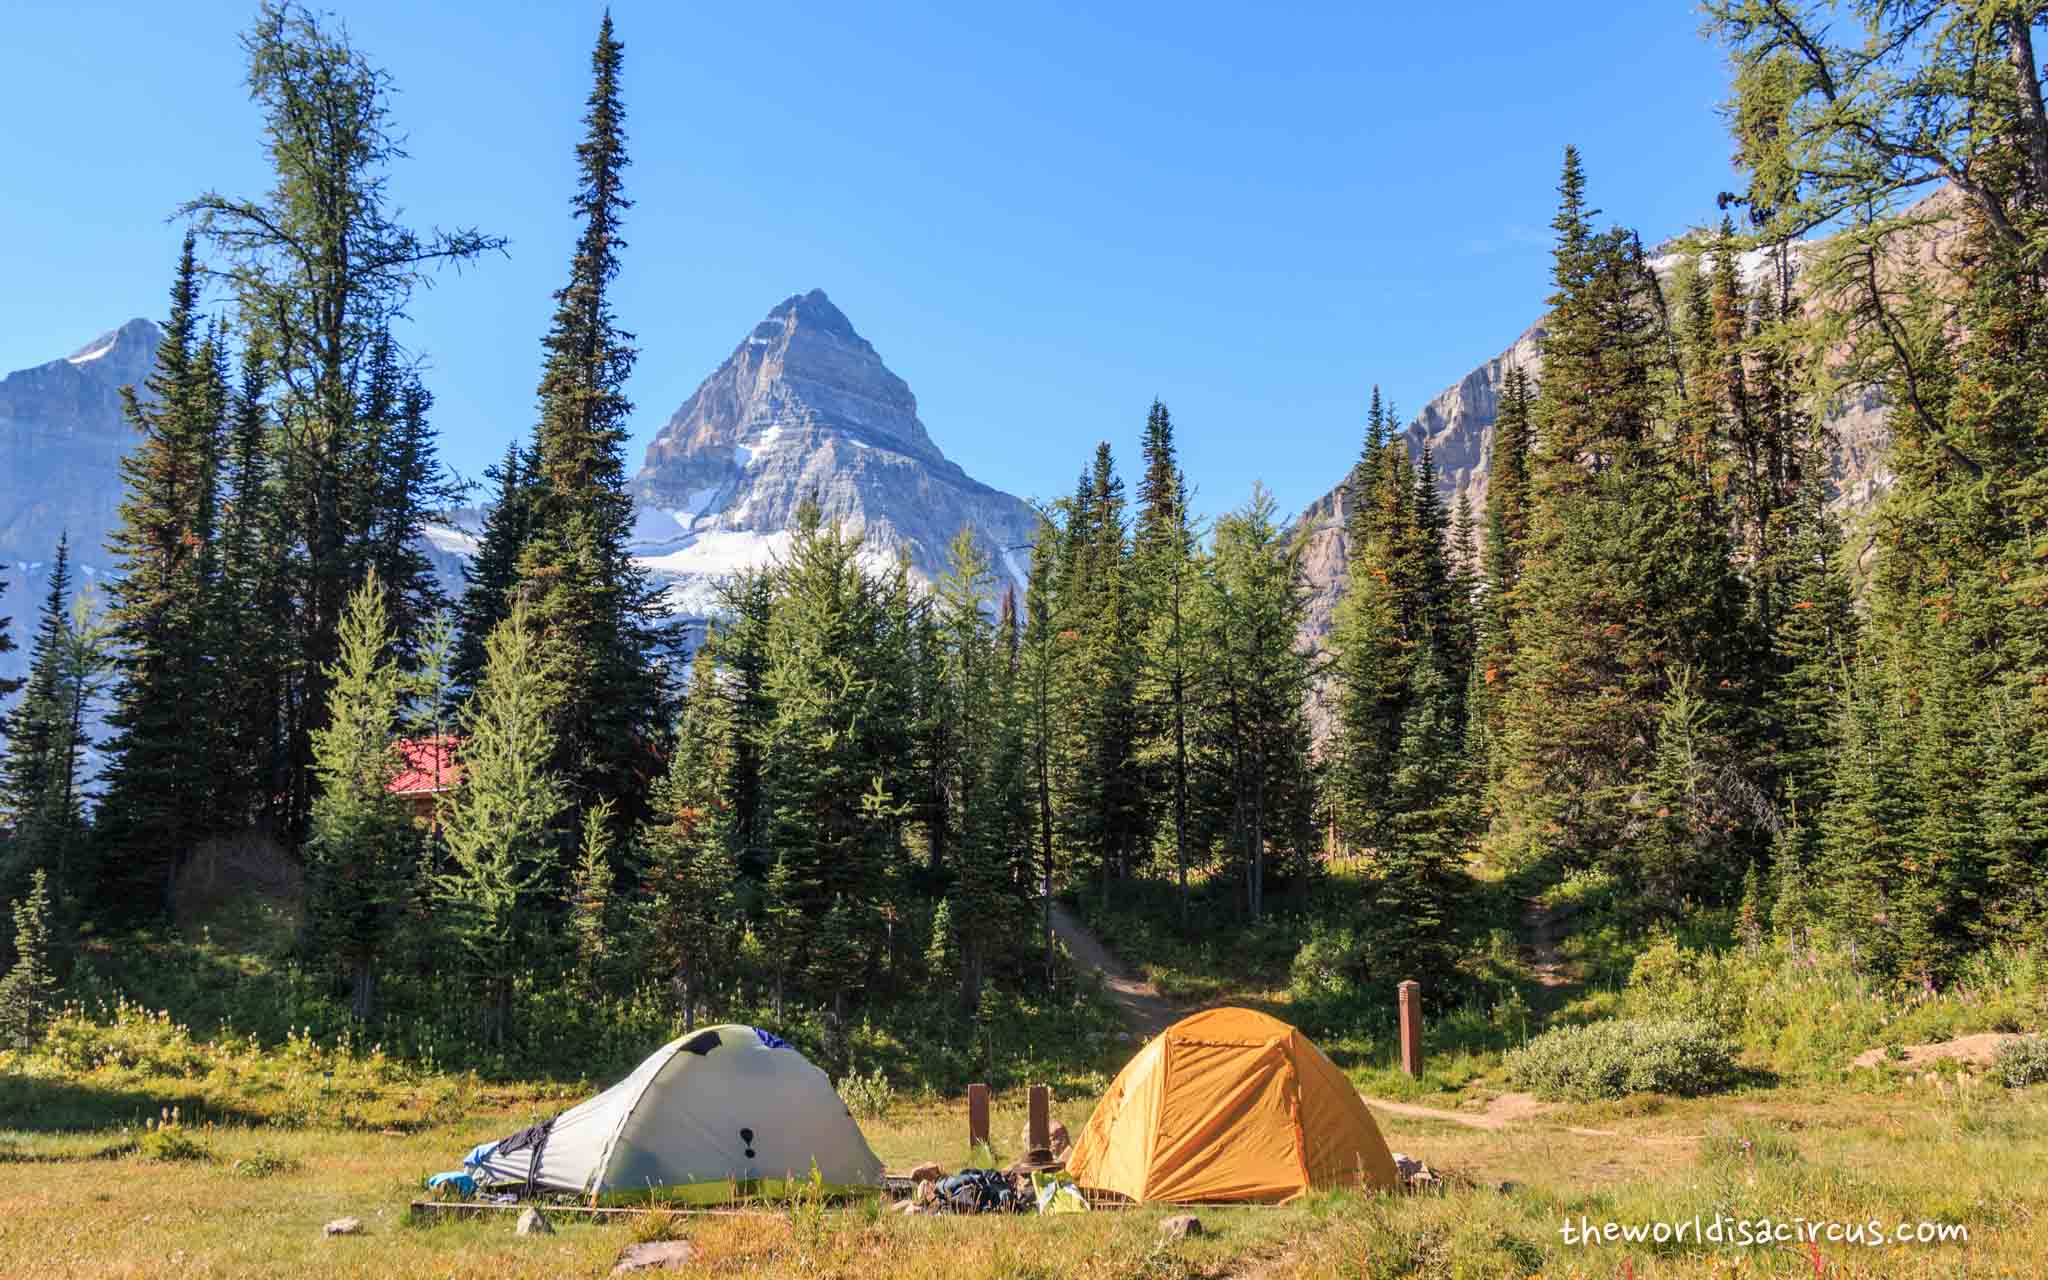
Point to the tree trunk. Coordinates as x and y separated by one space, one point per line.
363 987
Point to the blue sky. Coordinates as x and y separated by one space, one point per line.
1042 216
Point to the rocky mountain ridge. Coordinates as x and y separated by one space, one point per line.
1457 425
804 406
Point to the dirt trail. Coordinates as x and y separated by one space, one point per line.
1544 926
1148 1013
1144 1009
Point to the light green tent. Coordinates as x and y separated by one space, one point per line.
725 1112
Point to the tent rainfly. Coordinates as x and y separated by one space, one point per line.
726 1112
1230 1105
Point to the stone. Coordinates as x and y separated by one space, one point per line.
534 1223
1180 1226
1061 1143
343 1227
1507 1186
929 1171
655 1255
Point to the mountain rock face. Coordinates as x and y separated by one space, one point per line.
1458 428
61 440
805 406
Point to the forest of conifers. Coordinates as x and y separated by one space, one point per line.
1662 651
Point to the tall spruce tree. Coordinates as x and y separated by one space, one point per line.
1580 714
1258 731
592 602
1167 570
164 778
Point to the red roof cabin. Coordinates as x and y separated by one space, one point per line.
428 769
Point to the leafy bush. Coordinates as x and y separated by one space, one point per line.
1628 1055
2023 1062
867 1096
263 1163
169 1141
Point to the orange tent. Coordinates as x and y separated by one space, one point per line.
1230 1105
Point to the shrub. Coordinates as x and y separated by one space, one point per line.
263 1163
168 1141
2023 1062
1629 1055
867 1096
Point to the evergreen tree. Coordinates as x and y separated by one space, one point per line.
827 759
36 727
362 852
498 826
590 901
1042 663
687 909
592 602
1167 572
317 315
1368 667
1259 729
165 775
490 576
254 610
1107 819
47 740
1591 644
28 992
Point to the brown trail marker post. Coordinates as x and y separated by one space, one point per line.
977 1116
1038 1126
1411 1027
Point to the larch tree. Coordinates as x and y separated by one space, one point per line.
362 850
317 315
498 826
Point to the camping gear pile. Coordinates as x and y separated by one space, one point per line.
725 1113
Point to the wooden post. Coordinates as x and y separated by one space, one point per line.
1411 1027
977 1116
1038 1128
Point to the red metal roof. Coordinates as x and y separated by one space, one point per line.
430 766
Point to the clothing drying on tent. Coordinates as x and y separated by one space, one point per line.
1228 1105
728 1111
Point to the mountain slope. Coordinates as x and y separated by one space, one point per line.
61 440
805 406
1458 427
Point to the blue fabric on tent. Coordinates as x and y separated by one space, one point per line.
460 1181
480 1153
769 1041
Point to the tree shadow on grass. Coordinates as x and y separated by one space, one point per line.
32 1105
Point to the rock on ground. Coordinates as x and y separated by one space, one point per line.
343 1227
1180 1226
1978 1050
534 1223
655 1255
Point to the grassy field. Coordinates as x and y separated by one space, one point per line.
280 1133
238 1198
